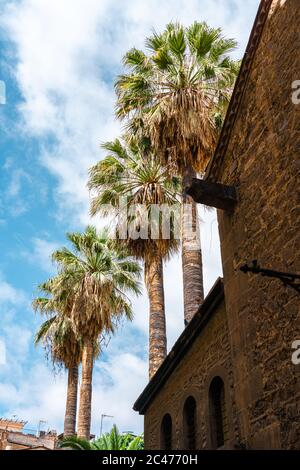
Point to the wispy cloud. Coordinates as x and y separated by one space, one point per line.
12 202
9 295
40 254
16 178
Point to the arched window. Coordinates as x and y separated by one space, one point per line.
166 433
218 415
189 424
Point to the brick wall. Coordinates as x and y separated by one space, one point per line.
263 162
208 357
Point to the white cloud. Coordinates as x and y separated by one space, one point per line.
14 202
10 295
17 177
37 395
16 336
118 382
8 163
8 394
211 255
19 208
40 254
2 352
18 339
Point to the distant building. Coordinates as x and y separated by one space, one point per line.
230 382
12 437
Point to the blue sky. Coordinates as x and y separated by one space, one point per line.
58 59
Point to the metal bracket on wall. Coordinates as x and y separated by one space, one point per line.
288 279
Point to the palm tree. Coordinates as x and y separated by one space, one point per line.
176 94
112 440
58 337
131 171
100 277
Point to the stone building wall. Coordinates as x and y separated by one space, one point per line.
263 162
3 439
208 357
20 440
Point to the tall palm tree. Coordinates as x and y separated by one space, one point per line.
100 277
58 337
130 170
177 93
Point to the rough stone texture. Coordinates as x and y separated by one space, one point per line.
3 439
208 357
13 438
249 344
17 441
27 440
262 161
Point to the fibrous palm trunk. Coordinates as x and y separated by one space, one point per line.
191 252
157 322
85 403
71 404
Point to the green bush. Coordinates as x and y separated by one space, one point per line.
113 440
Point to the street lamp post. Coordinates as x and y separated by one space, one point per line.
41 421
101 423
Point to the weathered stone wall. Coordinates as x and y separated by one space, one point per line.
3 439
208 357
263 162
18 440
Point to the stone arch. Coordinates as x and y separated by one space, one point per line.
221 373
166 432
218 413
190 423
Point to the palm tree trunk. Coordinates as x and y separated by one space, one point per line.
157 323
71 404
85 403
191 252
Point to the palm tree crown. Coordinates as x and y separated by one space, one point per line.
178 90
101 276
132 171
57 332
